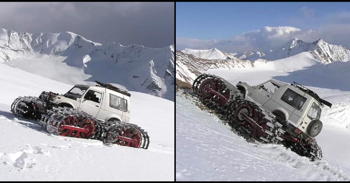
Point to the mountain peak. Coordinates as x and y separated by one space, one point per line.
321 50
211 53
294 42
321 41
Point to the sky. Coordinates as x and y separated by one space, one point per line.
243 26
150 24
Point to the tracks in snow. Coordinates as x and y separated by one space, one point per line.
208 150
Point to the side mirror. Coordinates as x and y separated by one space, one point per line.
80 99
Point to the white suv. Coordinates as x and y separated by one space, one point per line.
103 101
294 104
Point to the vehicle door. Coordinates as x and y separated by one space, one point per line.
313 113
91 102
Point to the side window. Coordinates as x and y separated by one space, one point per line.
118 103
93 96
293 99
269 87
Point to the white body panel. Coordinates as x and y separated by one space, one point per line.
102 109
272 101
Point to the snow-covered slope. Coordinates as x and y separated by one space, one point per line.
28 153
74 59
208 150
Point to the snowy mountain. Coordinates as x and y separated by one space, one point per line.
320 50
209 54
207 149
138 68
188 67
190 62
29 153
249 55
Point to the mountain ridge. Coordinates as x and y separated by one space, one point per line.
320 49
143 69
190 63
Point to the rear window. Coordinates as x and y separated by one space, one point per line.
292 98
314 112
118 103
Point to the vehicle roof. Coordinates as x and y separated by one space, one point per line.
102 89
308 92
81 85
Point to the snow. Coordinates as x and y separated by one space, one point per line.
208 150
80 60
319 49
302 68
27 152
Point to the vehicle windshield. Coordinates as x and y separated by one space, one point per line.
77 90
314 112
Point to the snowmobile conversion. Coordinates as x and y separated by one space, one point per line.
271 112
93 112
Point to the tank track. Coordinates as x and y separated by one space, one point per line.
69 122
247 118
218 101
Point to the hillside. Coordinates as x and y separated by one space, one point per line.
29 153
207 149
189 67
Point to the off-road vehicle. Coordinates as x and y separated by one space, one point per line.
105 102
271 112
96 112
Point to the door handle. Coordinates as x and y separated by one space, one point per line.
97 106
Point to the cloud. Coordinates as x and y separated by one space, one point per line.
264 39
308 13
146 23
333 28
